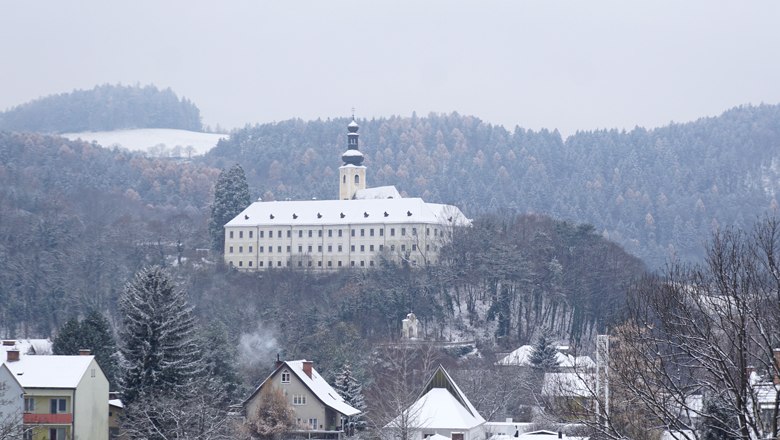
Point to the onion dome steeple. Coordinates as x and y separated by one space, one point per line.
352 156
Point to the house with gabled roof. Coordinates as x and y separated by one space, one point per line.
441 409
317 406
65 397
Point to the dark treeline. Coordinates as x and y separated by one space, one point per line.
104 108
659 193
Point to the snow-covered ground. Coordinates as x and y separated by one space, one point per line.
161 142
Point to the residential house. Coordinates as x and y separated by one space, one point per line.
318 407
65 397
11 401
441 409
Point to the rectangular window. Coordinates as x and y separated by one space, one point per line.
289 249
381 232
250 249
319 233
371 263
300 263
414 247
339 248
330 248
300 249
285 376
414 231
309 263
427 247
427 232
251 234
392 247
403 247
57 434
262 234
319 248
310 233
352 263
362 248
230 234
381 247
392 232
250 263
371 232
261 264
279 233
300 233
362 232
230 249
261 249
57 406
339 263
313 424
353 232
352 248
29 404
289 233
403 231
28 434
362 263
330 264
279 263
279 249
270 249
371 248
340 233
240 263
308 248
240 234
330 232
319 264
241 249
299 399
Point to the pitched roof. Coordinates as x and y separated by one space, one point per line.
442 405
26 346
50 371
522 357
316 384
347 212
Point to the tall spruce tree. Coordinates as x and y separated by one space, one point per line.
350 389
544 355
231 196
92 333
158 336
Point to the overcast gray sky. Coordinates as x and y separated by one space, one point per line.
543 64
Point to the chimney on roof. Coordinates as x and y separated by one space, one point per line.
776 353
9 343
85 352
307 366
278 362
12 355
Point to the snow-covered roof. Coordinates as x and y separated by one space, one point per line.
50 371
352 153
439 409
352 124
116 403
347 212
26 346
522 357
316 384
568 384
380 192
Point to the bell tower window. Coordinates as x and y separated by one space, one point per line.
357 178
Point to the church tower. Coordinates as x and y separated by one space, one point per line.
352 174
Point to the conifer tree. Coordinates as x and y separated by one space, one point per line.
68 338
544 355
158 337
350 389
92 333
231 196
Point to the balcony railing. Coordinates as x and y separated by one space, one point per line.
47 419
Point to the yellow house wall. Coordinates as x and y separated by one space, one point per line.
347 185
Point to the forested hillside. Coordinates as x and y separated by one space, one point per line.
76 220
104 108
657 192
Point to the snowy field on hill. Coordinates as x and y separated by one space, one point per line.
158 142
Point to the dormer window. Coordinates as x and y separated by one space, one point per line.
285 376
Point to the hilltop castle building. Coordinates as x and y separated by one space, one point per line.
362 226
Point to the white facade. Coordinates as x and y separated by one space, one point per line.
11 400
